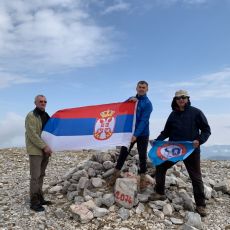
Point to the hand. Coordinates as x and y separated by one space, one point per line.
151 142
134 99
196 143
47 150
133 139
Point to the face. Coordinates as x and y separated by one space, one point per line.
142 89
181 101
40 103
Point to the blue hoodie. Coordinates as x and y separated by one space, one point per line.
144 109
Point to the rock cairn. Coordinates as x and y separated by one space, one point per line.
86 186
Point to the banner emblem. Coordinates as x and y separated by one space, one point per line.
104 125
168 151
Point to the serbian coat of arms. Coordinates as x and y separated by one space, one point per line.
104 125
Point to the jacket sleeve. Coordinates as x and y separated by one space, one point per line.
33 136
165 133
144 120
204 128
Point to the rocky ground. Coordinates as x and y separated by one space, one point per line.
14 200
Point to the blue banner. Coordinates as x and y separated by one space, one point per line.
174 151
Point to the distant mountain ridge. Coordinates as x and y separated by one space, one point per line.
215 152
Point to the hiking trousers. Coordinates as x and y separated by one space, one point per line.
142 145
38 166
192 164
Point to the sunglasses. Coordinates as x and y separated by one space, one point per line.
181 97
43 102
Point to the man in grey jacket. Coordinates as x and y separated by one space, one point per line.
39 152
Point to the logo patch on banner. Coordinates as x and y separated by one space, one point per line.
105 125
168 151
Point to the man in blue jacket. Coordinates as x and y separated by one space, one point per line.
140 136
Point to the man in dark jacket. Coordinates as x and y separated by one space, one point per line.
185 123
141 133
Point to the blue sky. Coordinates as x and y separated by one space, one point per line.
88 52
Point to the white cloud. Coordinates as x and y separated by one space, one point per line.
38 35
213 85
141 6
117 6
12 131
8 79
192 2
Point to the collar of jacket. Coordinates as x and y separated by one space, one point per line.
38 112
141 97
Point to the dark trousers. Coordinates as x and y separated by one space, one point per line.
192 164
38 166
142 145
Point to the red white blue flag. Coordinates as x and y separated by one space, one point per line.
174 151
91 127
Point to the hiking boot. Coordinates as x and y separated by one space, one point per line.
37 207
46 202
114 177
157 196
201 210
43 201
143 182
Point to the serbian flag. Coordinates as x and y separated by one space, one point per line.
91 127
174 151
